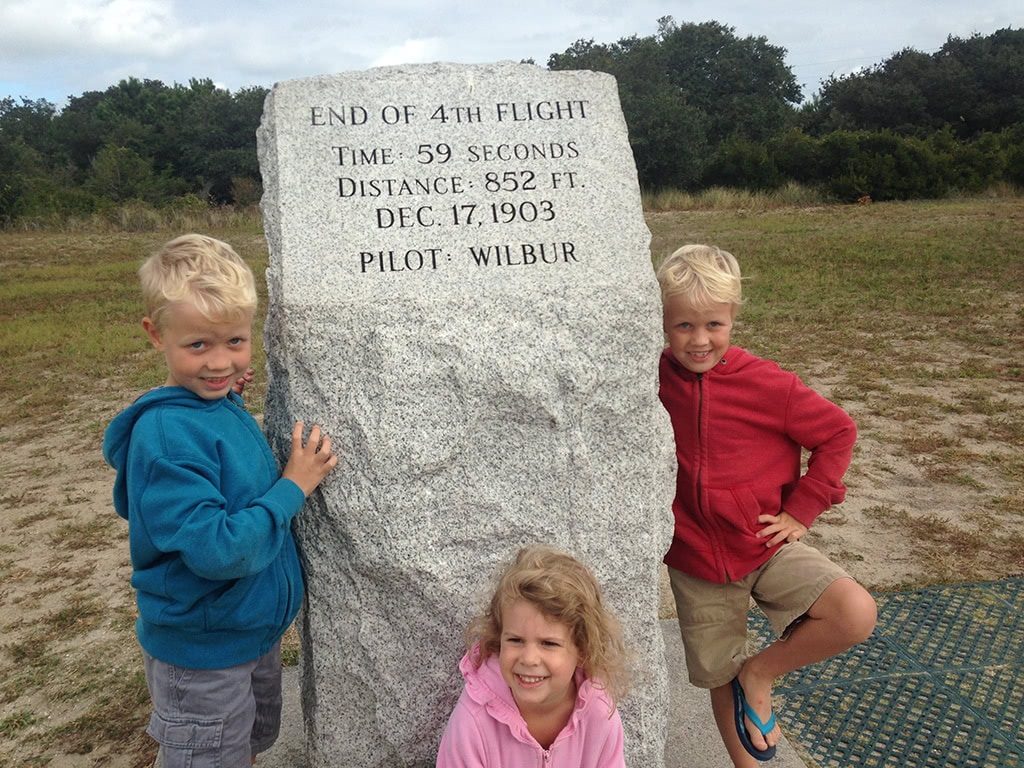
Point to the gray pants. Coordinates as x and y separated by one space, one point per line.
214 718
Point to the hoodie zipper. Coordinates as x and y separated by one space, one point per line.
711 527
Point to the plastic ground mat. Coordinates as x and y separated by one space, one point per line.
938 685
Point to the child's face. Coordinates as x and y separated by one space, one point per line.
203 356
538 659
698 337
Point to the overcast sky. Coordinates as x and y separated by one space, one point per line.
53 49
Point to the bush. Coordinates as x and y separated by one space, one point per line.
969 166
245 191
1012 143
797 156
881 165
742 163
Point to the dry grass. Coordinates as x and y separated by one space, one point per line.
792 195
909 315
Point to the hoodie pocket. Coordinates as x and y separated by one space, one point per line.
735 509
248 604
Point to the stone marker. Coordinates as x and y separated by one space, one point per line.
461 293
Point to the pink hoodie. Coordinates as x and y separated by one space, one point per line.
487 731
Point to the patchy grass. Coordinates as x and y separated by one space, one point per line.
18 721
81 613
908 314
70 311
957 551
84 535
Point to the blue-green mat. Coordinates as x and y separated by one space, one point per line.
938 685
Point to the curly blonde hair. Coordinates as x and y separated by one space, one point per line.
201 270
564 590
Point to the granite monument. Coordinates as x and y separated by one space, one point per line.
461 292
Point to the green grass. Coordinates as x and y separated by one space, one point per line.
70 313
910 312
853 284
12 724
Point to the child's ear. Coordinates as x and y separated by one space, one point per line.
153 332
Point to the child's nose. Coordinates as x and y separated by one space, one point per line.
218 359
530 654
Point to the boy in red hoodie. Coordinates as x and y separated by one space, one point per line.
742 504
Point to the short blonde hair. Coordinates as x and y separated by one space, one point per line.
564 590
200 270
703 274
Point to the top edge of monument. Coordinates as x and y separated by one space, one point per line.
504 68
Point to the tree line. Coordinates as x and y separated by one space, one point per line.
704 108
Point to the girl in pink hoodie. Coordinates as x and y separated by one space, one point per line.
545 665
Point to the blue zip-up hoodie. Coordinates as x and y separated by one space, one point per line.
214 564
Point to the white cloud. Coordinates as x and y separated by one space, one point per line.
54 48
410 52
48 27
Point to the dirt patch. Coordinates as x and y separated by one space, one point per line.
935 494
71 674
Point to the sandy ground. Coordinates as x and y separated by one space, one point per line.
66 607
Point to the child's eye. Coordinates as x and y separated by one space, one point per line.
236 341
552 643
512 640
196 345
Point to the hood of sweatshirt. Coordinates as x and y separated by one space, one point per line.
735 359
486 686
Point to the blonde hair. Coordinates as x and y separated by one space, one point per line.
200 270
564 590
703 274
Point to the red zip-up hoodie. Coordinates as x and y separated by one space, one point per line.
739 431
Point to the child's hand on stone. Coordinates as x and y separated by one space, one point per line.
781 528
241 381
309 463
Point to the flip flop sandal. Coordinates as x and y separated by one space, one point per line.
741 708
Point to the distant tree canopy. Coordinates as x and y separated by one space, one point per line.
139 139
968 87
690 87
704 107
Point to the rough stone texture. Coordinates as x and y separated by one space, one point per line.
477 408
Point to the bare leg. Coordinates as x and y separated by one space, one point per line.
721 704
843 616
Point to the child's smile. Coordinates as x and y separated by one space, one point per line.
538 660
203 356
698 336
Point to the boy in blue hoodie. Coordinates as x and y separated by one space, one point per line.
214 564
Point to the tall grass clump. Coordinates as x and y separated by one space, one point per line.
184 214
790 195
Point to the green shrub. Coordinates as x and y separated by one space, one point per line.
742 163
245 190
1012 142
881 165
968 166
797 156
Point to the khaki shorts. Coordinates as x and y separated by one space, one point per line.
713 617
